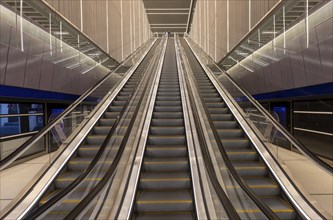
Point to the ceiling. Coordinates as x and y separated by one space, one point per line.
169 15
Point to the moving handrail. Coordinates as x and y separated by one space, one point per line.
92 164
262 206
34 139
229 208
110 172
303 149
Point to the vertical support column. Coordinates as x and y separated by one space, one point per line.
250 15
207 27
228 27
121 30
21 24
274 32
107 27
60 37
215 31
307 23
81 15
134 26
50 32
284 29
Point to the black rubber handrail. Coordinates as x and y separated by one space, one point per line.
301 147
263 207
91 195
26 145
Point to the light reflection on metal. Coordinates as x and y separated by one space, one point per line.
284 29
307 23
274 44
50 30
61 36
94 66
21 24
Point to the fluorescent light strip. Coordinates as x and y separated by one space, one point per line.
313 131
168 27
314 112
168 24
21 24
50 33
61 33
167 9
167 13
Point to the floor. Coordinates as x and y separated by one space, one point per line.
14 179
317 183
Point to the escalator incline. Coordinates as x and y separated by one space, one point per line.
90 146
239 149
164 188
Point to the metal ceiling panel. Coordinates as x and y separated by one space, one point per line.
168 16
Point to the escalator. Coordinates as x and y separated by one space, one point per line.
164 189
91 145
240 150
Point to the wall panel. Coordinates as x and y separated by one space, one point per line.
237 16
119 44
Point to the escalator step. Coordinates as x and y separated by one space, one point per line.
165 216
250 169
167 115
230 133
166 180
164 201
167 122
235 143
169 130
102 130
106 122
240 154
166 151
166 140
172 164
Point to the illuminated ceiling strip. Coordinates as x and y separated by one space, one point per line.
167 27
167 13
167 24
178 32
167 9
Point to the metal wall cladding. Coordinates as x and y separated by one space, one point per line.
326 57
298 69
312 66
15 71
3 62
32 68
207 13
33 71
118 27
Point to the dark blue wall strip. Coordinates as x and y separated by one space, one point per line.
308 91
25 93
